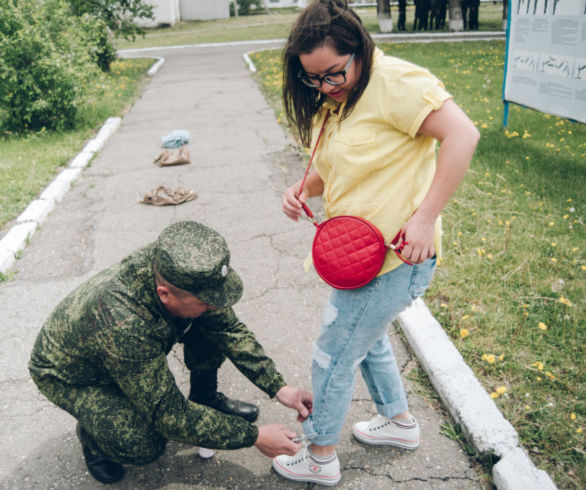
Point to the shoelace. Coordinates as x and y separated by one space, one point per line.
304 457
388 422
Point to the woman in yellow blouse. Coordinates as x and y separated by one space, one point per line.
377 160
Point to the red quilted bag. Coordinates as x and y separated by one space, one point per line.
348 251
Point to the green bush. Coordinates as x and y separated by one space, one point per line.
119 15
101 43
44 64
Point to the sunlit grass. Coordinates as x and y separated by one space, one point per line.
510 287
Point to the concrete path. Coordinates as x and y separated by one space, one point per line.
241 162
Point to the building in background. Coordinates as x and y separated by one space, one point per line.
169 12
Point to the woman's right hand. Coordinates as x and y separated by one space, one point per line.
292 200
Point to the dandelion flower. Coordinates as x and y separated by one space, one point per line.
490 358
502 357
463 333
527 407
501 390
542 326
565 301
579 430
538 365
494 395
552 223
572 416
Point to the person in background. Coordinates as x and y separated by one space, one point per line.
102 356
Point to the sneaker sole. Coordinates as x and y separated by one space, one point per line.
331 481
373 441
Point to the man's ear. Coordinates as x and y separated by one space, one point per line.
164 294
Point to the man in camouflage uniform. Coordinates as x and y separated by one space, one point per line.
102 356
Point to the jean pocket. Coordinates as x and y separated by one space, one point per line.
421 277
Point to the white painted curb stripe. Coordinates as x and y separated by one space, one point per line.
467 401
38 210
249 62
13 242
153 70
203 45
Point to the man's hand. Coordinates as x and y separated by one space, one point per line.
275 439
297 399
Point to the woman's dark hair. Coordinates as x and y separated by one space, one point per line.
333 23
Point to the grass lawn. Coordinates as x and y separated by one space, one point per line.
510 287
276 26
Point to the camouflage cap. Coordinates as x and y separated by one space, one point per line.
196 258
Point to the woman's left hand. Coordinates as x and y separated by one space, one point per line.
418 236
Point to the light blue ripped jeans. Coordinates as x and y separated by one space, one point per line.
354 333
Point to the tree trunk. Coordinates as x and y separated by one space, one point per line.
456 21
235 8
505 13
385 22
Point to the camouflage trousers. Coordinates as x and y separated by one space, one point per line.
119 431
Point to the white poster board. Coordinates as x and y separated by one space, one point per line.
545 65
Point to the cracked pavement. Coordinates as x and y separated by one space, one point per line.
241 162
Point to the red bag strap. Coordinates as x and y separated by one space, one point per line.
321 132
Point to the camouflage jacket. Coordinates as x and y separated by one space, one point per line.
113 329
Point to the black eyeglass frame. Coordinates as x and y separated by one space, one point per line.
305 79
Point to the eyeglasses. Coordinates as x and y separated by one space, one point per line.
336 78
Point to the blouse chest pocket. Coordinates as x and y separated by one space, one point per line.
352 151
355 137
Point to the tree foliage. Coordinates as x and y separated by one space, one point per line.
119 15
45 63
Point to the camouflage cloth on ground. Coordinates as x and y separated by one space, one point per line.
101 356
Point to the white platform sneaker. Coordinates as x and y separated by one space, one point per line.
380 431
304 467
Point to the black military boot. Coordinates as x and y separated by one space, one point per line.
100 468
204 390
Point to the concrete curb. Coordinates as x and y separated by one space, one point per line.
468 403
37 211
